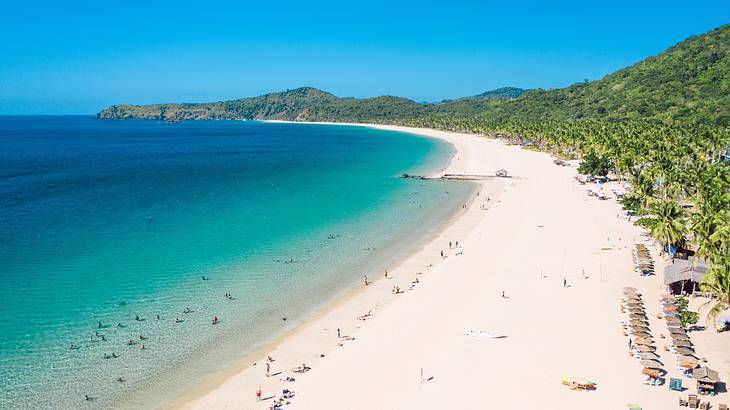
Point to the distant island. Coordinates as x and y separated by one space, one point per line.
686 83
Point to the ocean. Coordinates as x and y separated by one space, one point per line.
110 231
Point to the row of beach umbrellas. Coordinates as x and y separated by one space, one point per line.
681 343
643 263
640 333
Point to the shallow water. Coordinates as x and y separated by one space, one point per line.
103 221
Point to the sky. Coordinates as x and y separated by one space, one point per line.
78 57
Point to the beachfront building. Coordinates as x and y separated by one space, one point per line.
707 379
683 276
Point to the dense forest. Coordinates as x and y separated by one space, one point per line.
662 125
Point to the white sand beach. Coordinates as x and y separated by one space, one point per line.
523 236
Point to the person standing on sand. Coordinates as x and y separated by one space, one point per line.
268 369
449 244
565 282
338 332
366 280
386 274
258 394
442 254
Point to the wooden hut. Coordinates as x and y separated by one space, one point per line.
683 276
706 379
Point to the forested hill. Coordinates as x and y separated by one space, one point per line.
689 82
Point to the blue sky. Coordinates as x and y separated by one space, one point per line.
80 56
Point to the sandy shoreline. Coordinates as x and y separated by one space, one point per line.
534 232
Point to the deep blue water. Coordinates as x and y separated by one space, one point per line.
102 221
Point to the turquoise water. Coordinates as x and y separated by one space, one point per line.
103 221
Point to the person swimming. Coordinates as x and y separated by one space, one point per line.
215 320
178 320
187 310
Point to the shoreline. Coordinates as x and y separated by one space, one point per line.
560 257
255 361
258 356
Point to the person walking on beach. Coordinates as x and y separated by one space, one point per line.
366 280
442 254
449 244
338 332
386 274
565 282
268 369
258 394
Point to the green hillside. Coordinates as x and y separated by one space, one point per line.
688 82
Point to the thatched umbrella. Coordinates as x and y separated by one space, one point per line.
651 363
682 343
645 348
629 288
672 320
687 365
687 359
634 303
677 336
651 372
643 341
640 328
637 316
684 350
669 298
645 335
648 355
637 322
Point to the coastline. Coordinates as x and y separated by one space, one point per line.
537 231
254 362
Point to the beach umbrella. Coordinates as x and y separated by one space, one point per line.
629 288
686 351
670 309
640 328
634 303
679 337
687 365
651 363
637 310
643 341
669 298
671 314
638 322
673 320
650 372
648 355
637 316
645 348
687 359
645 335
682 343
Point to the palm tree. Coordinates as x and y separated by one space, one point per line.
717 283
666 223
